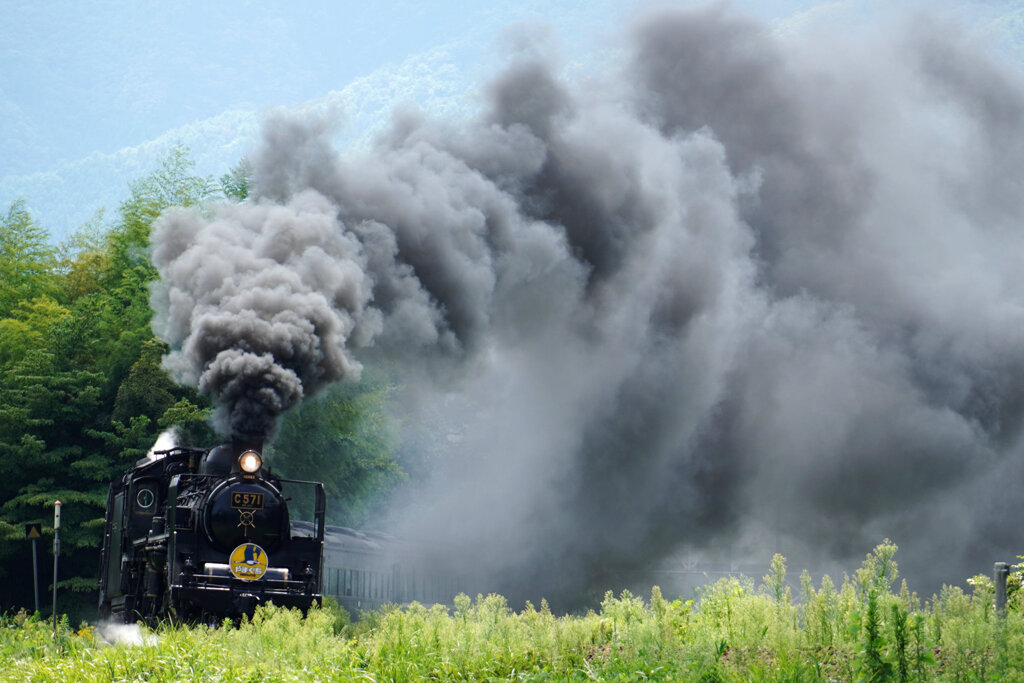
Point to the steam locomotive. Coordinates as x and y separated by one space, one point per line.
200 535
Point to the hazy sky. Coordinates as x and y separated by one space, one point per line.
80 78
92 93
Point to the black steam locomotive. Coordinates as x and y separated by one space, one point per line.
199 535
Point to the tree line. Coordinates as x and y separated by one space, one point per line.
83 394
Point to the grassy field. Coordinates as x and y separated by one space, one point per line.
863 629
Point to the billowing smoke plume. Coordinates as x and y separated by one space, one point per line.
259 304
746 285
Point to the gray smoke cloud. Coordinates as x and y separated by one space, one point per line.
258 305
745 287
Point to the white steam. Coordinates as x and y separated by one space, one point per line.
124 634
167 440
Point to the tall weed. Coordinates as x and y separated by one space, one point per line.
860 630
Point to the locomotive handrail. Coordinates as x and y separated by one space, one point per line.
320 506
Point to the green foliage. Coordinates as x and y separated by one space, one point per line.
27 259
146 390
191 421
173 184
235 183
82 391
735 633
342 438
871 665
879 570
340 618
82 259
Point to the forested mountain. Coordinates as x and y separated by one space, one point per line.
83 394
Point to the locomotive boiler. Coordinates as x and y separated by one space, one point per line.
200 535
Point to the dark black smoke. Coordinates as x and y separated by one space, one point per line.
748 287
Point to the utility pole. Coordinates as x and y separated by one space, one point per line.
56 554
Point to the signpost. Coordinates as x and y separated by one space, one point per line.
56 554
34 532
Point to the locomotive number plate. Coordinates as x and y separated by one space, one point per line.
245 500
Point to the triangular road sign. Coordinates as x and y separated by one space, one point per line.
33 531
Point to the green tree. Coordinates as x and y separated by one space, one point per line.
147 390
30 325
343 439
16 338
45 411
235 183
27 259
190 416
82 259
82 392
174 183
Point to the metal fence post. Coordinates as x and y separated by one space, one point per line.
56 554
35 573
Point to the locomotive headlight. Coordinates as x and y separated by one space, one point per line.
250 462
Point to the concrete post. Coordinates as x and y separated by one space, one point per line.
1000 573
